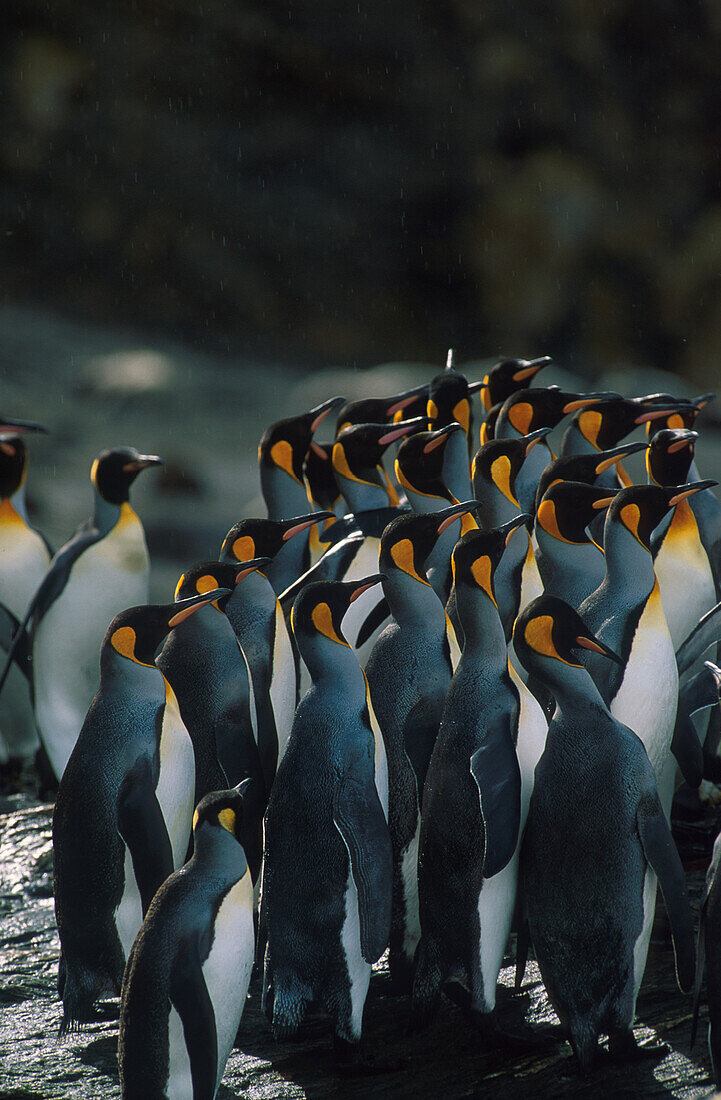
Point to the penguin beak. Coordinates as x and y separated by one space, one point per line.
364 585
587 641
581 402
702 401
402 429
440 437
604 502
188 607
320 412
10 426
318 451
455 510
302 523
403 400
522 520
618 453
248 567
531 368
142 462
683 439
474 387
715 672
242 787
535 437
690 490
658 411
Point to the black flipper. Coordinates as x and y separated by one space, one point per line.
142 826
660 851
701 691
701 637
191 1000
11 632
373 620
687 748
359 818
494 766
700 967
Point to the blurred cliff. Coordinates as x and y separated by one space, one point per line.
346 181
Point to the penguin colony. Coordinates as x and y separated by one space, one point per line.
442 693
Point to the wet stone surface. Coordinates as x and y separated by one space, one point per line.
447 1061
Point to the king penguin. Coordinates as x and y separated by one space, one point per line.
507 376
587 868
408 672
124 807
187 977
103 569
281 454
323 493
328 866
449 400
475 800
24 561
585 467
570 563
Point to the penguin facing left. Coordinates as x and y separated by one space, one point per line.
328 866
101 570
187 977
124 807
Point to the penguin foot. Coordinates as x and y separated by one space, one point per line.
623 1045
351 1060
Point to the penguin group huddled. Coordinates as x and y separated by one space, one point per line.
430 701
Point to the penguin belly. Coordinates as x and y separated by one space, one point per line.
409 883
496 905
640 948
176 783
684 575
228 966
129 914
364 564
531 583
68 638
24 560
648 694
380 758
180 1081
358 970
283 683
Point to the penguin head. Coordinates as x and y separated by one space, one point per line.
679 414
408 540
529 409
323 489
475 559
115 470
381 410
209 576
669 455
222 810
605 423
285 444
488 427
496 465
13 456
263 538
506 377
585 467
549 635
568 507
138 633
640 508
421 460
358 456
316 621
449 400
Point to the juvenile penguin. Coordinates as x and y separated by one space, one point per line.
187 977
408 672
257 618
281 454
24 561
589 872
474 800
206 668
124 807
328 868
101 570
570 563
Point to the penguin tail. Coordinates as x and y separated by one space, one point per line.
584 1040
81 990
289 1009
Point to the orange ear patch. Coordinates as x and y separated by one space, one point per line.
501 474
244 548
402 554
282 455
431 409
589 424
539 636
548 521
206 583
123 641
481 573
322 620
462 413
226 818
631 517
521 416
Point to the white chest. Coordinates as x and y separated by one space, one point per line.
176 783
24 561
685 579
283 684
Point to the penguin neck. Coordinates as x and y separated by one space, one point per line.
214 847
484 639
204 628
284 496
363 496
105 514
414 604
574 442
456 471
124 675
496 509
252 598
568 561
572 688
529 475
332 665
629 565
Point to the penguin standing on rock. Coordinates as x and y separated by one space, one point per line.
101 570
187 977
281 455
408 674
586 866
124 807
328 868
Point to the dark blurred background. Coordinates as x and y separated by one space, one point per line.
342 181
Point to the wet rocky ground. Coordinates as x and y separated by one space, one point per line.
447 1061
